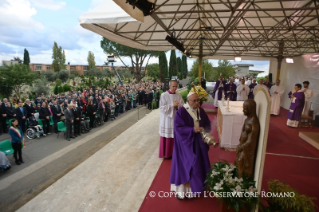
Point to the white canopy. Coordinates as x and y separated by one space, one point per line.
251 29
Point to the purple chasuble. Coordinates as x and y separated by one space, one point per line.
220 90
230 90
190 162
296 108
251 92
269 85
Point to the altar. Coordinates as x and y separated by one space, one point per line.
229 124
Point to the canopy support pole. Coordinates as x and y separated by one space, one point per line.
200 58
280 57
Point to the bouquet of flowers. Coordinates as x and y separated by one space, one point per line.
236 192
202 94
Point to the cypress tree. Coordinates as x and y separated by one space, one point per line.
26 57
172 64
179 68
163 66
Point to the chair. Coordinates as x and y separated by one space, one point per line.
40 123
61 128
6 147
305 121
51 121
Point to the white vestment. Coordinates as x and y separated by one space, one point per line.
167 113
242 94
275 98
258 86
308 95
248 82
237 82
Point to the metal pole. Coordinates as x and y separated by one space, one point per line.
138 114
200 62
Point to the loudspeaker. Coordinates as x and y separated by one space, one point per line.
270 77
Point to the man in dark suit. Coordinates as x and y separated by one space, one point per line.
69 120
3 117
29 107
44 115
21 116
77 120
150 96
56 111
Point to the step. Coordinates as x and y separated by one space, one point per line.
311 137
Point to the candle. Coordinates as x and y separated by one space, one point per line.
228 104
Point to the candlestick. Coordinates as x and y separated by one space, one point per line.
223 98
227 104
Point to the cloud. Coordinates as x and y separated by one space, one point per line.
18 14
49 4
5 49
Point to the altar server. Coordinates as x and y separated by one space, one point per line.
276 92
170 102
296 107
308 94
267 83
242 91
190 163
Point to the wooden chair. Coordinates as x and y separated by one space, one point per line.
306 121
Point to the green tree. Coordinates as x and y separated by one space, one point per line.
184 67
58 82
153 70
60 89
91 60
17 59
5 88
58 56
179 68
63 75
56 89
138 57
207 67
163 66
40 86
225 68
26 57
17 75
172 65
66 87
49 75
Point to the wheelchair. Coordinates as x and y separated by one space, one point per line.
32 130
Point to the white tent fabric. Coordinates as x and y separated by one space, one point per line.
304 68
252 29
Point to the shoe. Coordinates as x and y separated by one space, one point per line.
80 134
68 139
18 163
75 136
21 161
72 137
44 135
49 133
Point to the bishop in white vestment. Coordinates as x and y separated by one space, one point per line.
308 94
242 91
170 102
276 92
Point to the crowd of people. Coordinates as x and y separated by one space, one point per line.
79 110
241 89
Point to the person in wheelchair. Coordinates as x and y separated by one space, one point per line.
85 124
34 129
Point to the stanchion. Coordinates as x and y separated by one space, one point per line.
138 113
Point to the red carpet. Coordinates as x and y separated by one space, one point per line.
301 174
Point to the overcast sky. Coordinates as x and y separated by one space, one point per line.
36 24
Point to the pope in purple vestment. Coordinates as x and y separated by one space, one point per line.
296 107
251 87
190 162
230 90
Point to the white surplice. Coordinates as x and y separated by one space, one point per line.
167 113
242 94
248 82
308 95
275 98
258 86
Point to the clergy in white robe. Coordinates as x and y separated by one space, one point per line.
276 92
308 94
261 84
170 102
242 91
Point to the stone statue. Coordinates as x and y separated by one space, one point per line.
246 150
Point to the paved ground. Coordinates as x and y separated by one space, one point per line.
48 159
